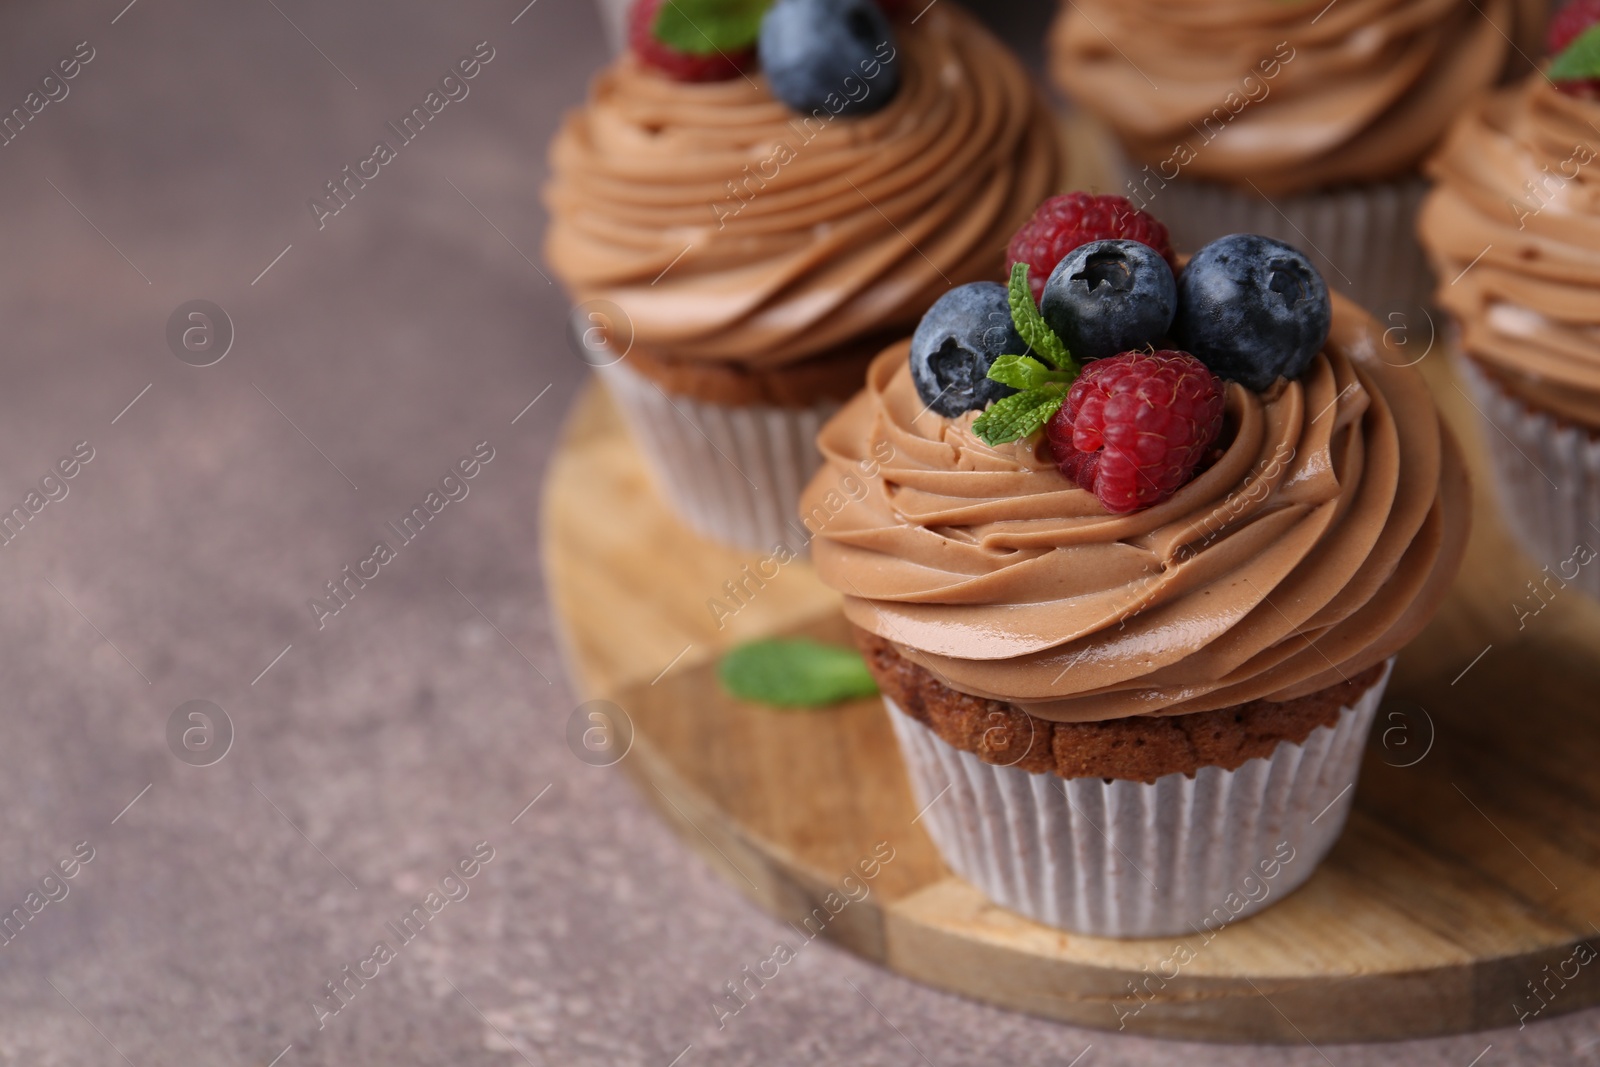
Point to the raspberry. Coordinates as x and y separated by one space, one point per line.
1135 427
895 8
679 66
1063 223
1569 22
1565 27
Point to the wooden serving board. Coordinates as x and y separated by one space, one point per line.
1468 876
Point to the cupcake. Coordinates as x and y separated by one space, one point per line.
1302 120
742 230
1513 227
1132 613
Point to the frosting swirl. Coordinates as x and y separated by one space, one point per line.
1513 227
1321 542
732 229
1291 95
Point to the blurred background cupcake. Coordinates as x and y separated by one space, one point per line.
1303 120
741 232
1513 227
1132 618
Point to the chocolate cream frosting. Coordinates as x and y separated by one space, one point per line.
1321 541
1289 94
731 229
1513 227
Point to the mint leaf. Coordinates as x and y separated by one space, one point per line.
1580 59
1041 339
706 27
1020 414
796 673
1025 372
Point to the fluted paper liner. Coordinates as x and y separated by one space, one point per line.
1177 856
1547 479
732 474
1361 237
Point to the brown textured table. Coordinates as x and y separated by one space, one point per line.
374 753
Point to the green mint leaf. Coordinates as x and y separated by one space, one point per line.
1580 59
706 27
1020 414
1025 372
795 673
1031 325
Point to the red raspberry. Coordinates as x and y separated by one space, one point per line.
679 66
1565 27
1570 21
896 8
1062 223
1135 426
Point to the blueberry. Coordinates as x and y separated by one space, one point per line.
964 332
1108 297
1251 309
833 56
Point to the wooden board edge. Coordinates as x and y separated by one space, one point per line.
782 887
1217 1009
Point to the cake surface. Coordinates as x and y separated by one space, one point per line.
1142 748
1285 96
1514 232
742 238
1319 541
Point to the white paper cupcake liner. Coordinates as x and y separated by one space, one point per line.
1179 855
1361 237
1547 477
733 474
